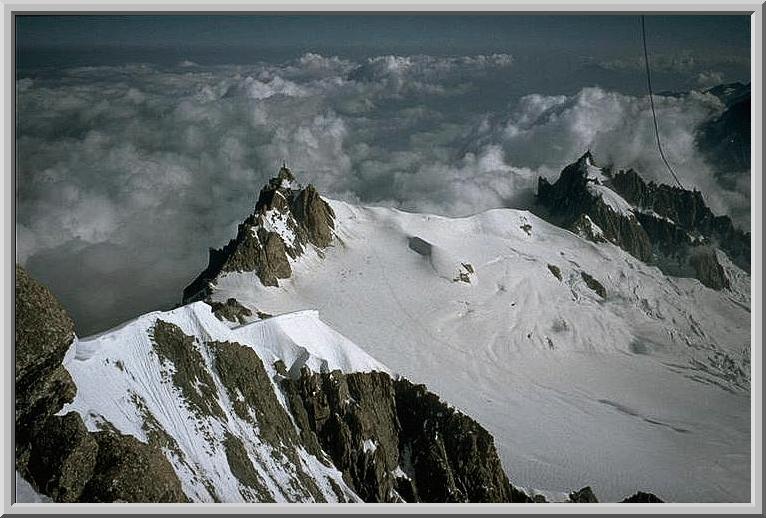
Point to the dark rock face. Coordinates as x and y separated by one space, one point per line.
43 334
249 387
63 458
230 310
670 227
285 221
128 470
583 496
452 458
642 498
44 331
190 374
339 413
708 269
688 213
242 468
395 441
594 284
315 215
57 454
569 200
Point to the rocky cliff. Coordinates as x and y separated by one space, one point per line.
577 201
56 453
395 441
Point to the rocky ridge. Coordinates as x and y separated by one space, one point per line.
390 440
659 224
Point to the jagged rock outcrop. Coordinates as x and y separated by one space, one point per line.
395 441
62 459
576 201
230 310
662 207
57 454
663 225
286 219
128 470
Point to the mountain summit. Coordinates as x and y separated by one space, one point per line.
663 225
287 218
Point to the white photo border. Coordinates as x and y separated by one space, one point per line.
13 8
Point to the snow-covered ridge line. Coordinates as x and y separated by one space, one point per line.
124 383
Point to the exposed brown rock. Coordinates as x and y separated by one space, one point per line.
43 334
255 249
230 310
370 424
311 211
128 470
190 374
593 284
63 457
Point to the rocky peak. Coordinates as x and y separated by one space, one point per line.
287 218
660 224
582 201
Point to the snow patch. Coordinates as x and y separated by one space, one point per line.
613 200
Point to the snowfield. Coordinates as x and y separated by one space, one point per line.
645 389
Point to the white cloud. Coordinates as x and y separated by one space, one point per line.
164 162
708 78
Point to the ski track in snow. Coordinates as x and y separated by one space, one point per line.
534 359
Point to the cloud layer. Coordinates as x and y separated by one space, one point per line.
127 174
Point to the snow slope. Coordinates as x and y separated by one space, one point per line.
120 379
647 389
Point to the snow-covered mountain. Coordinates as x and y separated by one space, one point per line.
284 376
580 358
663 225
185 405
